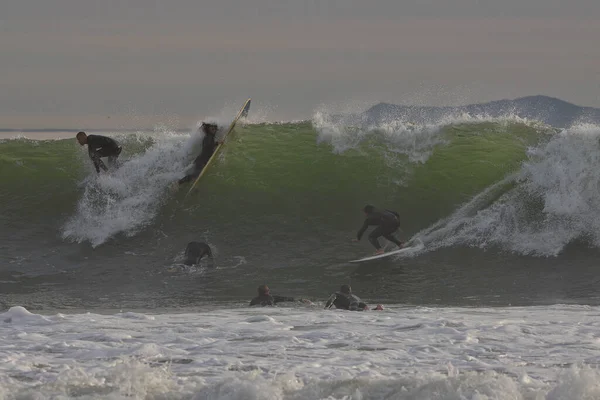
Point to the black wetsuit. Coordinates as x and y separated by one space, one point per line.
269 300
208 148
102 146
346 302
195 251
387 223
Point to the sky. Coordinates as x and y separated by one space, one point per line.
83 64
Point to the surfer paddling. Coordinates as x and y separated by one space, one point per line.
209 144
100 146
387 223
345 300
265 298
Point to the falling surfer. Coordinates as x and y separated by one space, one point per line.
209 144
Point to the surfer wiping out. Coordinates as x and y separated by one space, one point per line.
387 223
195 251
100 146
208 148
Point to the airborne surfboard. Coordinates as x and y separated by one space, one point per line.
242 113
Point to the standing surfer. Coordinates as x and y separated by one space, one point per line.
387 223
100 146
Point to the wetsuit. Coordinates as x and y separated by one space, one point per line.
269 300
102 146
346 302
208 148
195 251
387 223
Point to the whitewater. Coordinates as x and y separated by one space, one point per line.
294 353
501 303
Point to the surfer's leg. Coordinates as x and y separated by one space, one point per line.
392 239
374 235
388 233
113 156
95 156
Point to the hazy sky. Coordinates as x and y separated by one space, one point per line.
74 63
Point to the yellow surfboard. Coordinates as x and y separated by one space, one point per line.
242 113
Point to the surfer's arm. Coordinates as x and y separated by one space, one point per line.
362 229
255 301
281 299
330 301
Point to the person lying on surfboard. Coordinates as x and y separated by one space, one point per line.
100 146
265 298
345 300
209 145
387 223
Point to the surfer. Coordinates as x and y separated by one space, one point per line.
345 300
265 298
195 251
387 222
100 146
209 144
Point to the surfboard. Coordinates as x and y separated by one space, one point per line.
415 247
242 113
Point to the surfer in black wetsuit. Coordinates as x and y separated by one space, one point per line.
100 146
209 144
345 300
265 298
387 222
195 251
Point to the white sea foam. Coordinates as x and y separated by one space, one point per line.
128 199
304 353
416 141
555 202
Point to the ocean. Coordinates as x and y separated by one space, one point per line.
502 302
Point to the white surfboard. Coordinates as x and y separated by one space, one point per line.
416 247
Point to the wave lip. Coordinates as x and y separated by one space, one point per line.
550 202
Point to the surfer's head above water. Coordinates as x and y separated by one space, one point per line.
368 209
81 138
346 289
263 290
208 128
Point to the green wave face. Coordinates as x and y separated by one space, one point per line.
296 178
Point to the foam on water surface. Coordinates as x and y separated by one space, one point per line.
304 353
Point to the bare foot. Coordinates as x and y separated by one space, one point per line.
380 251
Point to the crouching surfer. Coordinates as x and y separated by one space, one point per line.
387 223
98 147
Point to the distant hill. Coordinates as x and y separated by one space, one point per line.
548 110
